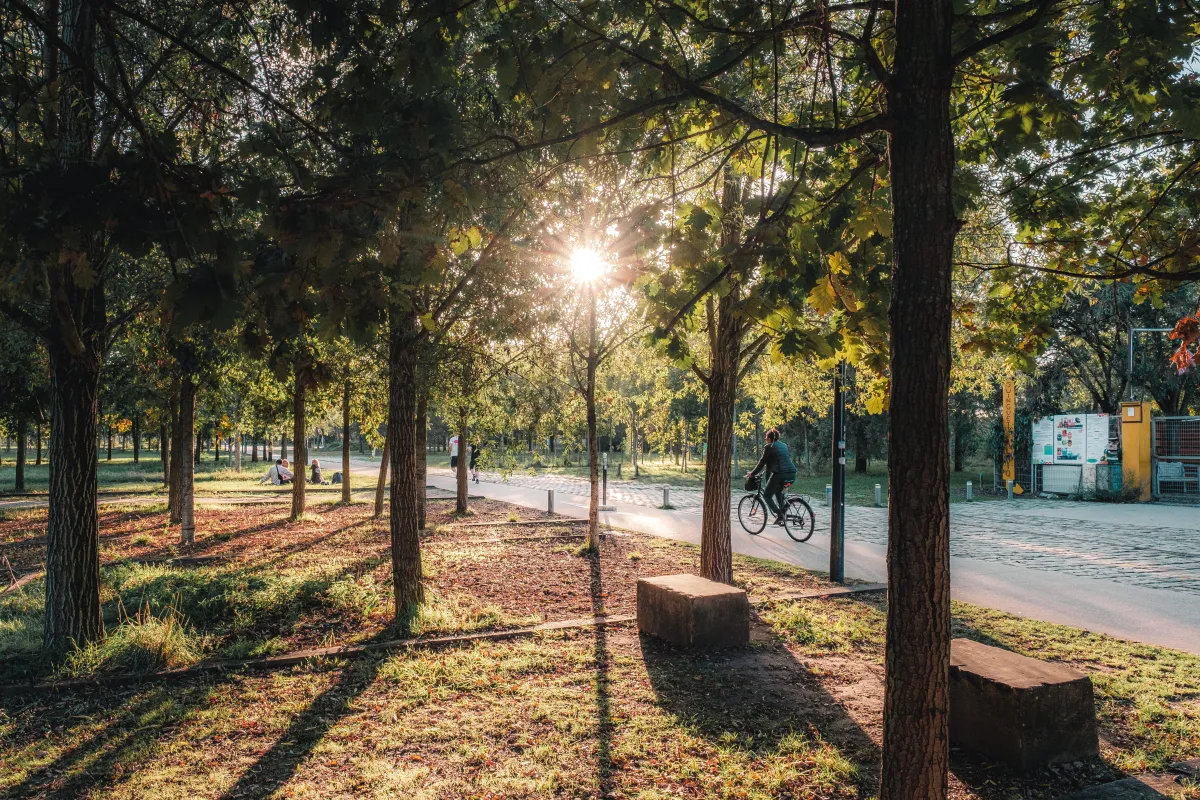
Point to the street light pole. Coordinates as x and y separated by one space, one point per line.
837 506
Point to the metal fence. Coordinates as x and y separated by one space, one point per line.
1176 458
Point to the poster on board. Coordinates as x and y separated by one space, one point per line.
1096 429
1070 438
1043 440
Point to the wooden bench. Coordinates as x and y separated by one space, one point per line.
1018 710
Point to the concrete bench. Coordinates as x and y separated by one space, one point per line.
693 612
1018 710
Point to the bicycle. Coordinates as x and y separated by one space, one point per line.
798 516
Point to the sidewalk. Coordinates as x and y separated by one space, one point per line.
1055 583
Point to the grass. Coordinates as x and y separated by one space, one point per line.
1148 698
122 476
568 714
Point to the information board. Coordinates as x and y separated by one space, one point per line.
1043 440
1070 438
1096 451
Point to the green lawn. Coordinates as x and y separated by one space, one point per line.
122 476
860 489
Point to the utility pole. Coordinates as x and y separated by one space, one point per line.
837 506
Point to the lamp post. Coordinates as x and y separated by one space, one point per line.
837 506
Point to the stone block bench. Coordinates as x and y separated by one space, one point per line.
693 612
1018 710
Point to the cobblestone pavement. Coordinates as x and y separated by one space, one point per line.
1048 535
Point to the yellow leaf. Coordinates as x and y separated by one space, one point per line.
838 265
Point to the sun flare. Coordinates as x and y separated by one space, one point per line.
587 265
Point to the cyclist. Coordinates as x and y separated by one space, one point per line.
777 462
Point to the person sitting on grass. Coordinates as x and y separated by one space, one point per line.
316 473
777 462
278 474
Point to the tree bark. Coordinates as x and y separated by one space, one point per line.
164 453
173 490
187 470
283 446
253 449
383 473
422 441
237 443
402 402
137 437
921 154
72 612
38 457
298 449
19 478
716 546
346 442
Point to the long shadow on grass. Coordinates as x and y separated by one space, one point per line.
134 731
276 767
604 722
755 697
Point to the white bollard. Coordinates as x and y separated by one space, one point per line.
970 491
549 501
828 495
1010 491
666 497
878 496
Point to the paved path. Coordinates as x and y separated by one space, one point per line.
1128 570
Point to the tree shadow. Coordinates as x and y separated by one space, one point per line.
97 759
274 768
757 696
604 720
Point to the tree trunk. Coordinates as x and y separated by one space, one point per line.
253 449
633 442
164 454
861 461
137 438
921 153
238 447
19 478
298 449
383 473
283 446
72 611
402 402
38 456
110 438
173 490
422 441
716 547
270 456
187 483
346 442
593 443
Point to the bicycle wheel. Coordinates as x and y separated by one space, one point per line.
798 521
752 513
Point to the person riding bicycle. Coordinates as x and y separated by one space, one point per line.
777 462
